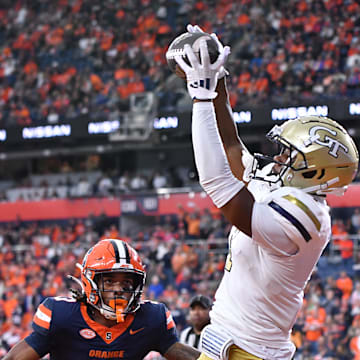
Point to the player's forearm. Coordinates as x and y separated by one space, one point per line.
212 164
22 351
180 351
228 132
224 116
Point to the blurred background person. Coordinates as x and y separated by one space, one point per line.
200 306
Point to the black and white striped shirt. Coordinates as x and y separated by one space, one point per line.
188 336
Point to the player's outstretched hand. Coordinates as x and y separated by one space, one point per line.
197 29
202 76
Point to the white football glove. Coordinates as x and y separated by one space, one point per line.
194 29
202 77
197 29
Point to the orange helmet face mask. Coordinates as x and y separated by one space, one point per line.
111 256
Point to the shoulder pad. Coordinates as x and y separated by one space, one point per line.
300 209
43 316
64 298
150 302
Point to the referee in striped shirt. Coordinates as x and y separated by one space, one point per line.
200 306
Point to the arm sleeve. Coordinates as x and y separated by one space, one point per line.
215 174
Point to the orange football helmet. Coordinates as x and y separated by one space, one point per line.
109 256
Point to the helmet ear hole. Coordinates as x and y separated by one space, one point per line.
309 174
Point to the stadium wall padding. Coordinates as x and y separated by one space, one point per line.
151 205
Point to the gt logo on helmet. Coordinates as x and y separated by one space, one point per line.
333 144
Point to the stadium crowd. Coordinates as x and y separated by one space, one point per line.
69 59
95 184
60 178
99 184
184 255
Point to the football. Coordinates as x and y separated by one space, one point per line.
193 39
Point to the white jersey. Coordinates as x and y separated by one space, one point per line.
262 288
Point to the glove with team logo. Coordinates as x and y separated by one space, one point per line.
197 29
202 76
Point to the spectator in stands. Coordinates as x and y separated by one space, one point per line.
184 281
178 314
346 247
345 284
331 303
158 180
66 167
156 288
355 347
355 220
124 182
193 225
178 259
138 182
200 306
324 351
105 186
170 294
342 241
206 223
83 188
183 300
355 300
314 325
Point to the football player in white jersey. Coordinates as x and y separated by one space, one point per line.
280 218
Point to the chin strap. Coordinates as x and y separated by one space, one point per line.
323 189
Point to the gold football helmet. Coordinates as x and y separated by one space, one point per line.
323 157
